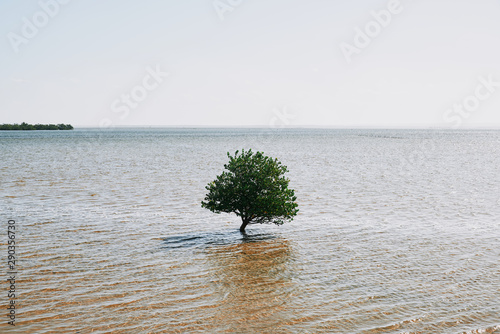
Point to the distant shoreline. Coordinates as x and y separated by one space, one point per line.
29 127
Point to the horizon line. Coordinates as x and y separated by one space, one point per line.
479 127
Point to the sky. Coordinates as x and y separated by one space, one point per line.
279 63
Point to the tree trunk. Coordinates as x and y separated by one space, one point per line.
244 224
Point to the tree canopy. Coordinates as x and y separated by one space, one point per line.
254 187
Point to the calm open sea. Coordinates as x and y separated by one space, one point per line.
398 232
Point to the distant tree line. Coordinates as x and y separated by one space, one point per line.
26 126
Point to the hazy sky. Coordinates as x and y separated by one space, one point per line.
366 63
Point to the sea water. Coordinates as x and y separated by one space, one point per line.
398 232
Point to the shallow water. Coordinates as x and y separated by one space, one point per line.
398 232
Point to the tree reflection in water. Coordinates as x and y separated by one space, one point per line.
254 282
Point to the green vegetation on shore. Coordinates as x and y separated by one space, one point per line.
26 126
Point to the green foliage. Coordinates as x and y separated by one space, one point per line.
254 187
26 126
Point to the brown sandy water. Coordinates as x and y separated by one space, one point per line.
398 232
